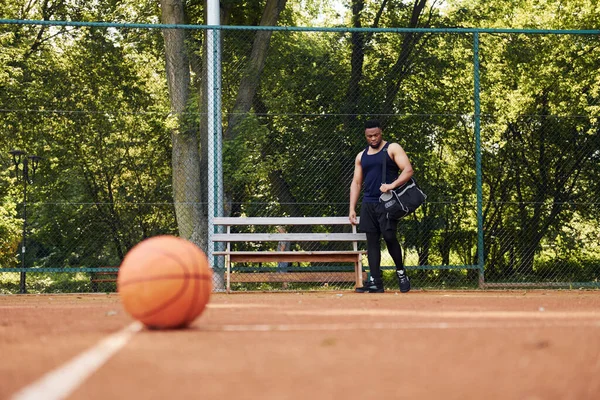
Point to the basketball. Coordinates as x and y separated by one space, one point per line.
165 282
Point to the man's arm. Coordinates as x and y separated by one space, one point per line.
397 153
355 187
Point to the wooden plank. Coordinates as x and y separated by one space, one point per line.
224 252
281 221
274 277
288 237
98 277
292 256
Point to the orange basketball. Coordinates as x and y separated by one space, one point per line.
165 282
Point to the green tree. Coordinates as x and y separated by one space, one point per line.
540 139
86 100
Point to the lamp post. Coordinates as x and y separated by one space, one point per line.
29 163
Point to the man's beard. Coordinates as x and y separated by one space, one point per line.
375 145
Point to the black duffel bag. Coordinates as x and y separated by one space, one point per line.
403 200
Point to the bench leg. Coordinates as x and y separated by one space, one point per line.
358 271
228 272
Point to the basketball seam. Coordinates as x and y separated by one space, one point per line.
175 297
191 267
201 277
196 291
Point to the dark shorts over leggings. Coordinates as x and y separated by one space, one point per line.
373 219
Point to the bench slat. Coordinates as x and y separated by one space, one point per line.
292 256
352 256
281 221
305 252
288 237
273 277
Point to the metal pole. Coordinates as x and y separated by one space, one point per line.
480 249
211 145
215 170
19 157
25 177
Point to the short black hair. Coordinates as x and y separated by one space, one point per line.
372 123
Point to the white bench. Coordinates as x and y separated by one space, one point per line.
249 224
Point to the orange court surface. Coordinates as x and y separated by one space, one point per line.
310 345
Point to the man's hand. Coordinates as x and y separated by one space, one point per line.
385 187
352 217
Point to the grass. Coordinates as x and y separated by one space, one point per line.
48 282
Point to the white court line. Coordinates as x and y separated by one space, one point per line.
400 326
238 305
61 382
450 314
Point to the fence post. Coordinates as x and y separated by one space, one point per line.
215 164
480 249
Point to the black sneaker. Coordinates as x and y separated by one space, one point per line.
403 281
370 287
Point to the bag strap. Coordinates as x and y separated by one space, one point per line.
383 167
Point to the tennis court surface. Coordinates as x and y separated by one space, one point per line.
332 345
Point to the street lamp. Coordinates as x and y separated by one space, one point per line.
30 163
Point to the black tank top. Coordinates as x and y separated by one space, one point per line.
371 167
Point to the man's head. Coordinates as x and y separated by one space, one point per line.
373 133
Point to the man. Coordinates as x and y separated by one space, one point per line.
282 246
373 218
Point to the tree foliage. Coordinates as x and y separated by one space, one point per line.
98 105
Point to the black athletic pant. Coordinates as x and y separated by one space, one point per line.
374 251
374 222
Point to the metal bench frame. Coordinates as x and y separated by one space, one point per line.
231 256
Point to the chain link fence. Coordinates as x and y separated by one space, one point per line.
126 145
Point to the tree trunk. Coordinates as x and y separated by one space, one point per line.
426 234
357 63
398 72
288 202
186 156
358 40
256 64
